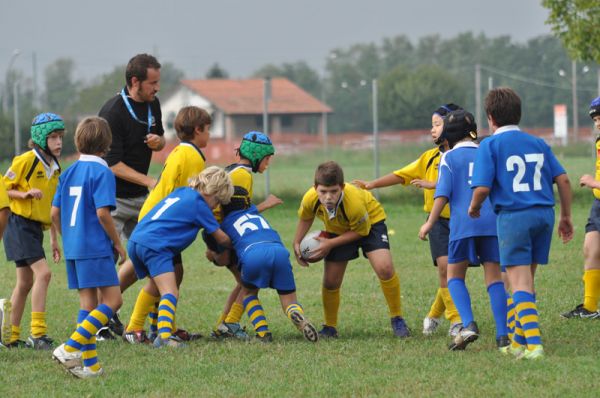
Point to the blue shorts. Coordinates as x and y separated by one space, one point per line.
524 236
92 272
475 250
267 265
149 262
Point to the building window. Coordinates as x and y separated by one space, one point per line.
286 121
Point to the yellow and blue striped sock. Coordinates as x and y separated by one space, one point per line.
510 316
153 320
528 317
81 315
235 313
90 355
38 324
166 313
295 307
84 338
391 292
256 314
331 305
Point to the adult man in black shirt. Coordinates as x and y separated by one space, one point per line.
135 120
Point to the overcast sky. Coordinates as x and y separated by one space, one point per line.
241 35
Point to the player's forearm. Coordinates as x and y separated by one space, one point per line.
301 230
53 234
108 225
222 238
438 207
126 173
55 216
564 192
345 238
479 195
385 181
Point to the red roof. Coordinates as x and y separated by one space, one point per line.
245 97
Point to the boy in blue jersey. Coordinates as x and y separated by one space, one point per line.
81 211
471 241
517 171
168 229
264 262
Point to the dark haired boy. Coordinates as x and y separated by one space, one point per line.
517 170
355 220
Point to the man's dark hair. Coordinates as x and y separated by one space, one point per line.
138 67
504 106
329 174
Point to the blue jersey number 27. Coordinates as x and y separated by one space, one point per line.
519 164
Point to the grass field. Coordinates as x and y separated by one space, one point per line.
366 360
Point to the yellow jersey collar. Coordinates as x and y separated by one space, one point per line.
333 212
49 168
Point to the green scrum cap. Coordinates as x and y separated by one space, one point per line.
43 125
255 147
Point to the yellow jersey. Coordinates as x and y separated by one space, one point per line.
241 176
3 196
425 168
597 177
356 211
31 171
185 161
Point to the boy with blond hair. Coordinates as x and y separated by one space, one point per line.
168 229
184 162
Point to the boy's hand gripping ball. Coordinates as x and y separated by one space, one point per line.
310 243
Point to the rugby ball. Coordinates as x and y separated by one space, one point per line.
309 243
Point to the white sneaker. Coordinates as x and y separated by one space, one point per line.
67 359
430 325
85 372
454 329
5 327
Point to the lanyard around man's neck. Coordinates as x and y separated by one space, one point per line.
132 112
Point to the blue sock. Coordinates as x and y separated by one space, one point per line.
462 300
498 303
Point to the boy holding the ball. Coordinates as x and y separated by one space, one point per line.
354 219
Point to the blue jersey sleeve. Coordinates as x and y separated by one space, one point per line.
484 169
444 184
104 192
205 217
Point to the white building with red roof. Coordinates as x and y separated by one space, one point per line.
236 107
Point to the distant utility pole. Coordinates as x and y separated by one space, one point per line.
478 94
266 99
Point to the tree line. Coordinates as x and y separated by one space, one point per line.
413 79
